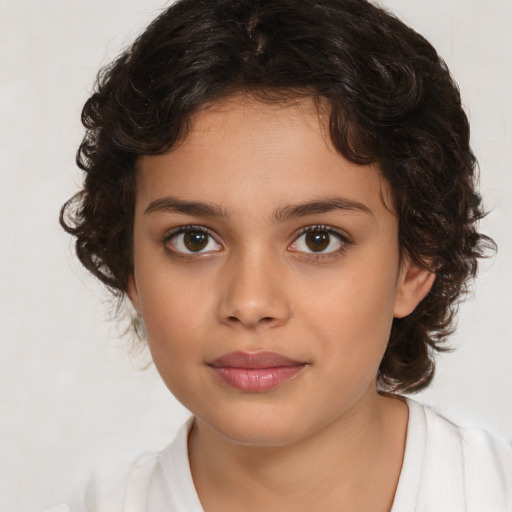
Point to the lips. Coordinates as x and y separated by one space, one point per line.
255 372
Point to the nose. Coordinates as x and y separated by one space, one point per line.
254 293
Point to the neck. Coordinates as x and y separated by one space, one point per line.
335 464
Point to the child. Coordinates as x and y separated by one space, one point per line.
285 191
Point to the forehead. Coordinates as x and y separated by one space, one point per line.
241 151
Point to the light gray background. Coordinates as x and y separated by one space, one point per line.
69 393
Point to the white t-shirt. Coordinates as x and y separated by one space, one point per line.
445 469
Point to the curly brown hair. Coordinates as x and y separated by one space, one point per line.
392 100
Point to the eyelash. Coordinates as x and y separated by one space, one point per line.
322 257
317 257
185 229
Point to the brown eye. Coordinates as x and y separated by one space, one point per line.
317 240
195 240
189 240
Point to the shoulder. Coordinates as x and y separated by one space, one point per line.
110 487
139 486
480 452
462 465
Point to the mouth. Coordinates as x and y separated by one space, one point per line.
256 372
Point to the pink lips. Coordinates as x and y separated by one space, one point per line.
254 372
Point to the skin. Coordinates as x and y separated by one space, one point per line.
325 440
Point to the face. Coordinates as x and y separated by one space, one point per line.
267 272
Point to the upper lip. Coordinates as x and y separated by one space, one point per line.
254 360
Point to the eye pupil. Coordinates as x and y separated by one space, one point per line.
317 240
195 240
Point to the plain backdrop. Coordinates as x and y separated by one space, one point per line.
69 392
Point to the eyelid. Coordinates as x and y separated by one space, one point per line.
343 238
183 229
323 227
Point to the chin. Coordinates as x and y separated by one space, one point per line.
258 427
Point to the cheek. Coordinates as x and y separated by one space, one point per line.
172 317
170 294
361 296
174 335
354 314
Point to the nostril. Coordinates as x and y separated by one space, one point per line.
263 320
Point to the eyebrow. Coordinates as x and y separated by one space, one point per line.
320 206
174 205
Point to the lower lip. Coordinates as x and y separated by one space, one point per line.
257 379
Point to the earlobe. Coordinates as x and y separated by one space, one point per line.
133 293
414 282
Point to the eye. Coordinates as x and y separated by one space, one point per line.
192 240
319 240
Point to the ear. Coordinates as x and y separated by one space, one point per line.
133 293
414 282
